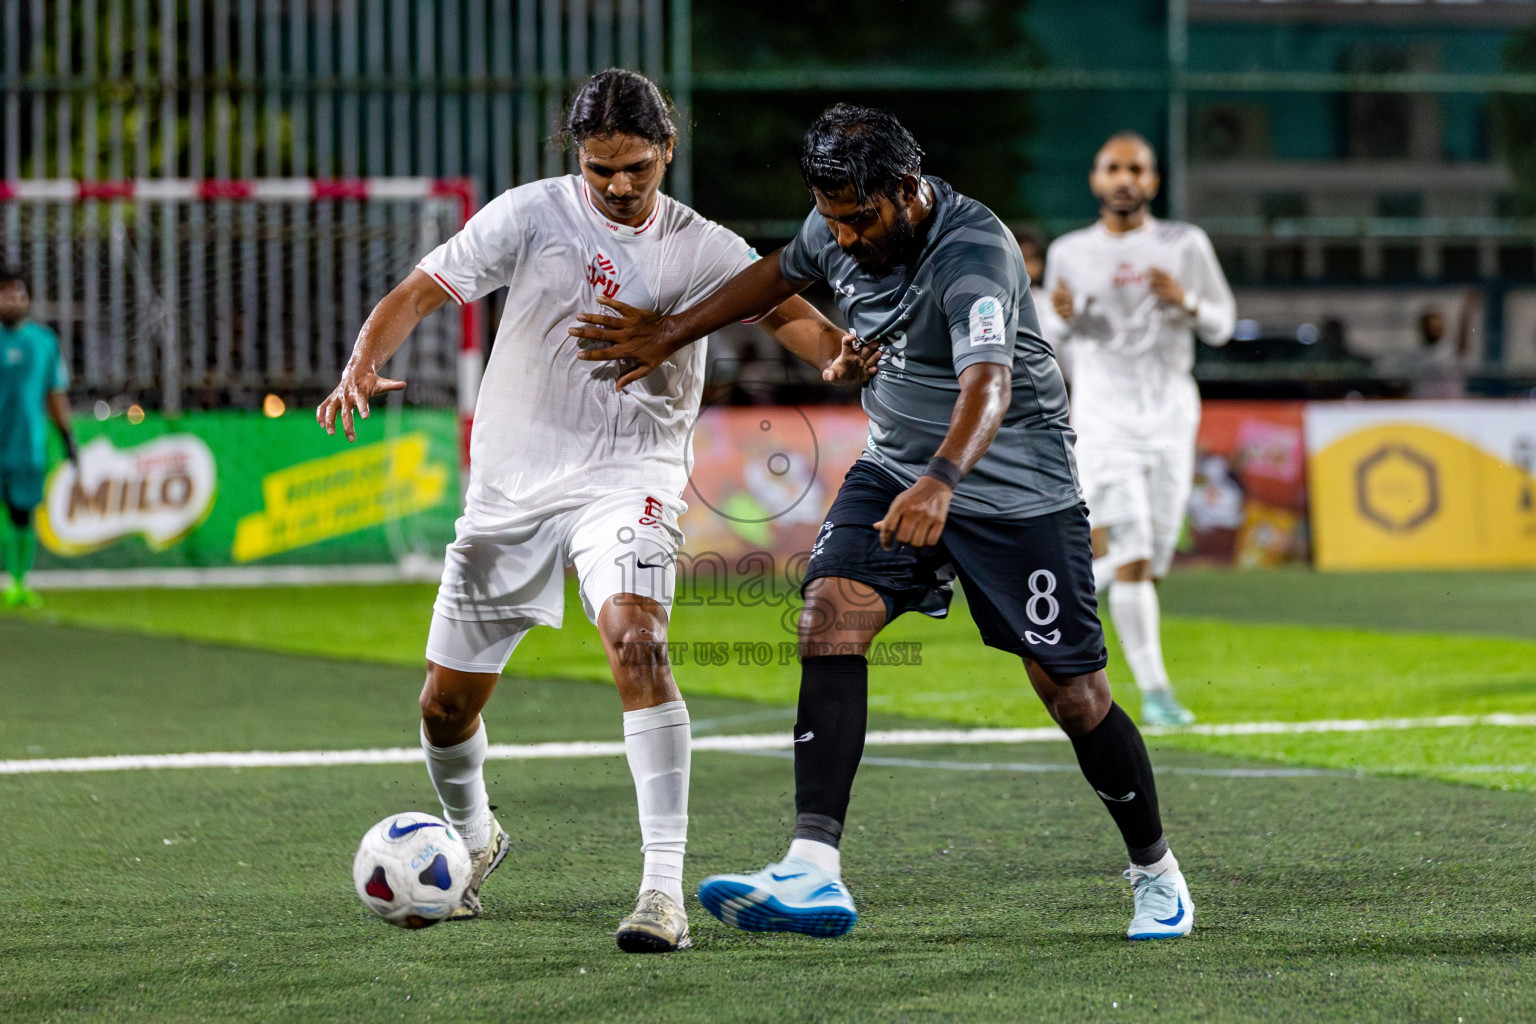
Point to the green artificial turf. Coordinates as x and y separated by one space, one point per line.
1499 603
224 895
1225 670
987 891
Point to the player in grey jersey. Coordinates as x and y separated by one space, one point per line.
968 472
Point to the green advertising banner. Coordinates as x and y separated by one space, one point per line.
235 488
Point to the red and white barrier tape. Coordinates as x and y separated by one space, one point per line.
294 190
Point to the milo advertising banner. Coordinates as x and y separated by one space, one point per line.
1431 485
235 488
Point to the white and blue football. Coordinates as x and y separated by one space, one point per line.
411 869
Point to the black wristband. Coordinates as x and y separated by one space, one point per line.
944 471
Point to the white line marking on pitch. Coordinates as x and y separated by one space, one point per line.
773 741
1042 768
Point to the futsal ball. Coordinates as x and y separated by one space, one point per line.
411 869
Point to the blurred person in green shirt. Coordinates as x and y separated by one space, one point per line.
33 383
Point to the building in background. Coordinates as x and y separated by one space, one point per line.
1351 158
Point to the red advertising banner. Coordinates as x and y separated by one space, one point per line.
764 477
1249 505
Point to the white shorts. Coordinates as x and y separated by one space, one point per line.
1140 496
504 575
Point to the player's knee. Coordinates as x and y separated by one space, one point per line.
818 617
641 644
1138 571
445 708
1079 704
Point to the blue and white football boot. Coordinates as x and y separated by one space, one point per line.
1163 907
793 895
1160 707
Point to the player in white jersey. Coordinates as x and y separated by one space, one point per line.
565 468
1128 296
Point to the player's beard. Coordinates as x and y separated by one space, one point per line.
893 250
1124 205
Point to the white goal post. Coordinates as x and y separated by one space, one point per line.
186 293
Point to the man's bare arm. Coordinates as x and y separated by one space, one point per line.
381 336
799 327
917 515
650 339
985 392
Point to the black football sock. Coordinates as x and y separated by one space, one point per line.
1115 763
829 740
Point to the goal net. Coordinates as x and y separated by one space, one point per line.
179 296
187 294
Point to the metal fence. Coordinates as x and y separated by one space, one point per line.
114 89
179 293
189 300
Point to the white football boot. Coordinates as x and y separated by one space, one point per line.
1163 907
483 862
658 925
793 895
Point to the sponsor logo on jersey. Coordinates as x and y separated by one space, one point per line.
1127 275
987 322
905 309
603 276
652 514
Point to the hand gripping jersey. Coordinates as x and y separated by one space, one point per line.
550 431
963 300
1130 355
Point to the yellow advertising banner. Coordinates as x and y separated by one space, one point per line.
339 494
1423 485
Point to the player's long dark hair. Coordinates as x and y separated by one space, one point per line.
861 148
619 102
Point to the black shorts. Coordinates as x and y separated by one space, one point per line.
1029 582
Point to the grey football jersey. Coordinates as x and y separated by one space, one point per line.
964 300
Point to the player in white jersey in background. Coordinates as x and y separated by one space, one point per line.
565 469
1128 297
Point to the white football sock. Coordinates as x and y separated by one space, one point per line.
659 744
1104 572
824 855
1133 608
460 783
1164 863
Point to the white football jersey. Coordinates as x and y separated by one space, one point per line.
550 431
1130 356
